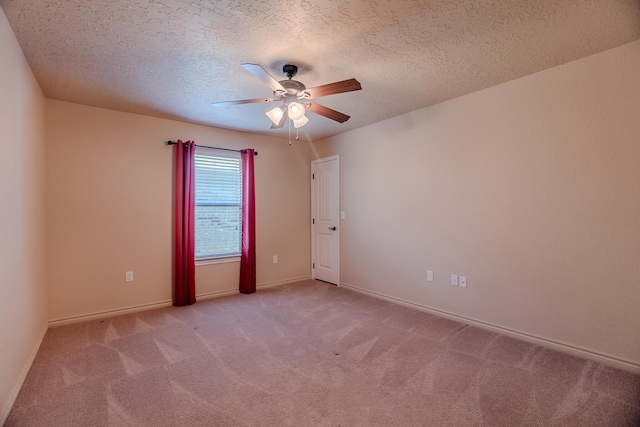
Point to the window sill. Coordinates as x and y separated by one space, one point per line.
218 260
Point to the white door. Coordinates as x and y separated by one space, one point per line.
325 213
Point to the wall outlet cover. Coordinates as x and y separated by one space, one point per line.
463 281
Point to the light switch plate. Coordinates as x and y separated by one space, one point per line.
429 276
463 281
454 280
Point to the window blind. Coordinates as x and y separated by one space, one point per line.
218 210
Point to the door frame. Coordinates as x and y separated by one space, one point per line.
314 163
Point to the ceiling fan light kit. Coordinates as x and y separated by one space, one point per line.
294 96
295 111
275 115
300 122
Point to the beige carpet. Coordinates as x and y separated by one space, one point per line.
311 354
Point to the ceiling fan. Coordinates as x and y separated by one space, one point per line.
295 97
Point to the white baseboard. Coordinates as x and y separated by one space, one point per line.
217 294
23 376
161 304
283 282
109 313
612 361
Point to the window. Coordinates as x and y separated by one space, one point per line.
218 214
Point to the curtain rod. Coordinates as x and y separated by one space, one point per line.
255 153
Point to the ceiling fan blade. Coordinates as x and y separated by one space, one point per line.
333 88
328 112
243 101
265 77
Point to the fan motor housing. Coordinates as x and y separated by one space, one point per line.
292 86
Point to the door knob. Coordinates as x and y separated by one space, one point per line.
332 228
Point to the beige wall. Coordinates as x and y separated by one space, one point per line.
531 189
110 209
23 310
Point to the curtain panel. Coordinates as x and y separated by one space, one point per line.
184 285
248 246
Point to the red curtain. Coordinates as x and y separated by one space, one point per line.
184 286
248 250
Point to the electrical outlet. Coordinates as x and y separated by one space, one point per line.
429 276
128 276
275 259
463 281
454 280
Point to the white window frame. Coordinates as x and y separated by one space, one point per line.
215 258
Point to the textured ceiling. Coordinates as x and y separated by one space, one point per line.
173 58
